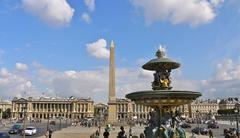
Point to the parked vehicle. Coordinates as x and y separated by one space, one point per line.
52 122
15 129
230 131
29 131
213 125
4 135
200 130
185 125
20 121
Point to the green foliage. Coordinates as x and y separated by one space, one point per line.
226 111
6 114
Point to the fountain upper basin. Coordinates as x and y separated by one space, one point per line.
163 98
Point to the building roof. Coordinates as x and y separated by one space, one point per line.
122 100
52 99
230 101
100 105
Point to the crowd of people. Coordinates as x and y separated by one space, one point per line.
121 134
83 123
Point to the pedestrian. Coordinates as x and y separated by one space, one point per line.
97 134
142 135
99 129
48 133
210 133
130 132
121 134
193 136
106 133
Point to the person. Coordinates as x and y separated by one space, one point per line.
130 132
121 134
210 133
142 135
48 133
113 127
193 136
97 134
106 134
99 129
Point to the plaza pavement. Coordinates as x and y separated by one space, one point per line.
85 132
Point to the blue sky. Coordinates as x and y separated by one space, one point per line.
202 35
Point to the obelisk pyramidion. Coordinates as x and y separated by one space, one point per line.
112 106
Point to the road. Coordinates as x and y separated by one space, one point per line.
218 133
41 128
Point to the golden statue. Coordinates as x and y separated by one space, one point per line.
164 83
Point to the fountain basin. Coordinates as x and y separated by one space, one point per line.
163 98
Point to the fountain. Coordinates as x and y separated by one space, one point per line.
165 119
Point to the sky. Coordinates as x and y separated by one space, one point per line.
60 48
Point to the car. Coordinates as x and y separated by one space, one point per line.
230 131
29 131
52 122
4 135
20 121
213 125
185 125
15 129
200 130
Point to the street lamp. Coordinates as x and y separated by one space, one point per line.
197 114
24 121
236 111
48 119
66 117
60 119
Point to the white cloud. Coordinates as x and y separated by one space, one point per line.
193 12
71 74
21 67
224 83
227 70
90 4
4 73
86 17
91 7
98 49
94 83
12 85
216 3
54 12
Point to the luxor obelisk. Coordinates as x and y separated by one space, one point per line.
112 106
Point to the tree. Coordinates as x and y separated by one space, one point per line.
6 114
225 111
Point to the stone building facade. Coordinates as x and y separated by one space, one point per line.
127 109
53 107
201 108
4 105
228 103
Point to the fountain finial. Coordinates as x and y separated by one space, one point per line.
161 52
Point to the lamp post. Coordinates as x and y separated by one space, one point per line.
60 119
67 117
197 114
48 120
24 120
236 111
